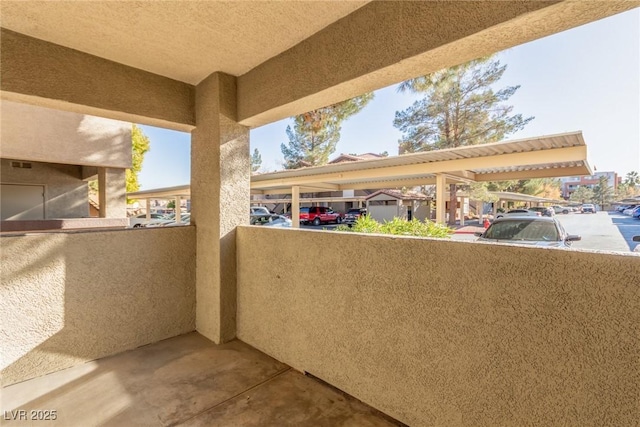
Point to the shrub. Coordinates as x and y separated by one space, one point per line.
399 227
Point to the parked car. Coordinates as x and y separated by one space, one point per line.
259 210
317 215
544 210
519 212
636 213
588 208
352 215
141 220
629 210
170 221
561 209
636 239
528 230
271 220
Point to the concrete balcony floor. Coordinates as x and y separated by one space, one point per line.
185 381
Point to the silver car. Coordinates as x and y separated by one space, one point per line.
528 230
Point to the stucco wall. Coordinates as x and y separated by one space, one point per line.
67 298
449 333
46 135
66 195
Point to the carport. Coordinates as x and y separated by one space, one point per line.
547 156
177 193
506 196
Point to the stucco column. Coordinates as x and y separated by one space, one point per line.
112 192
462 211
441 181
220 180
148 207
295 206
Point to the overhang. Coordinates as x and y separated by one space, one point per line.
542 157
162 193
140 61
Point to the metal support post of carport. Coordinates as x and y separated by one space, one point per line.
295 206
441 181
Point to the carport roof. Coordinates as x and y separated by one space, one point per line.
545 156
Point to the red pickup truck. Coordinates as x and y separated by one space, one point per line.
317 215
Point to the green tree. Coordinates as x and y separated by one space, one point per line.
625 191
315 134
632 179
256 161
459 108
602 192
140 145
582 195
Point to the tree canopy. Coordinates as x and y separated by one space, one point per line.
582 195
459 108
256 161
140 145
315 134
602 192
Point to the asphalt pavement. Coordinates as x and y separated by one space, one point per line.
606 231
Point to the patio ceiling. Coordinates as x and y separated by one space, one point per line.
545 156
142 61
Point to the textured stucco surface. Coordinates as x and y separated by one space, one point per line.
449 333
48 75
386 42
45 135
199 37
65 194
72 297
291 57
220 179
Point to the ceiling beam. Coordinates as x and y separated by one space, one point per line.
556 155
48 75
321 186
530 174
407 39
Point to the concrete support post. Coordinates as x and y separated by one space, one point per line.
495 207
220 193
441 181
112 193
178 209
148 211
295 206
462 200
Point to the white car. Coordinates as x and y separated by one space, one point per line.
259 210
141 220
629 210
519 212
170 221
636 239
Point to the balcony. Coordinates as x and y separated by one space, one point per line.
428 332
185 381
518 334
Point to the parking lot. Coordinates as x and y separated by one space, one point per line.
607 231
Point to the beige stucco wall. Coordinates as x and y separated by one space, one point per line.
45 135
66 195
67 298
518 336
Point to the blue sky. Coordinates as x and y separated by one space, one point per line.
587 79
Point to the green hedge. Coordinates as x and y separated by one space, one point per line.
398 227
